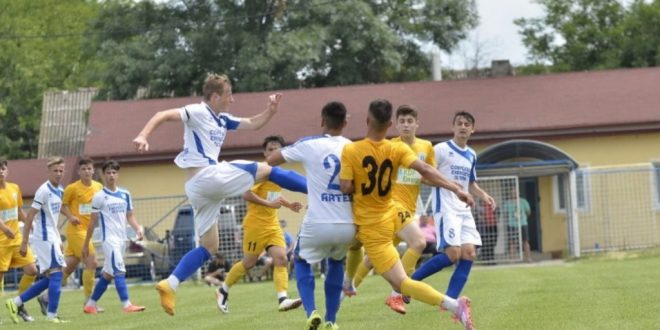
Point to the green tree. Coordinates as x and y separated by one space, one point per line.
270 44
39 50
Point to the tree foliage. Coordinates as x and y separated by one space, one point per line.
594 34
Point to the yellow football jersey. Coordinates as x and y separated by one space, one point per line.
259 215
11 199
372 166
78 197
406 187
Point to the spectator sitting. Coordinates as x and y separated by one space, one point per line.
216 270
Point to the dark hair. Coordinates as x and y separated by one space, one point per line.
111 164
3 162
85 161
464 114
381 111
273 138
334 114
406 109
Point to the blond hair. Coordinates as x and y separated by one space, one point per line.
214 83
55 160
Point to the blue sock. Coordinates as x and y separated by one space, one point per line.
35 289
100 288
289 180
432 266
54 291
191 262
333 285
305 283
458 279
122 289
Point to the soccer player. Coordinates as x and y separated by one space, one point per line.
114 207
46 243
327 228
367 168
11 212
77 207
457 230
209 181
405 191
262 232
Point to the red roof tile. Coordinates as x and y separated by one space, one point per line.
29 174
569 103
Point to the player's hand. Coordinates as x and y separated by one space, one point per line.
140 234
490 201
74 220
295 206
466 197
23 250
141 144
10 234
276 204
274 102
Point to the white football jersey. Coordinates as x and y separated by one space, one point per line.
320 156
203 135
112 207
458 165
48 201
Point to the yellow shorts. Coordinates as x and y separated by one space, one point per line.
10 257
403 218
377 242
74 243
256 240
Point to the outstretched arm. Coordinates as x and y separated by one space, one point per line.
258 121
275 158
254 198
140 142
436 179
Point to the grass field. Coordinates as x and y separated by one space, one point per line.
612 291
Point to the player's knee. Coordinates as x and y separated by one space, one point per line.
468 253
30 269
453 253
417 244
249 262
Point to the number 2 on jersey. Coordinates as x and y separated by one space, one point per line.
336 165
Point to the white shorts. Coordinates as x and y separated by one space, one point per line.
212 184
318 241
114 257
49 254
456 229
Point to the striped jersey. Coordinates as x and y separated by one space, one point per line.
203 135
48 201
112 208
456 164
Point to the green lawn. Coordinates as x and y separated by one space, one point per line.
615 291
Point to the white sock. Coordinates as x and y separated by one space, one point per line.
51 316
173 282
450 304
394 294
90 303
225 287
282 294
126 303
18 301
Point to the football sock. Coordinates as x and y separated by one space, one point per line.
88 281
281 279
26 281
100 288
458 279
409 260
122 289
360 274
287 179
421 291
305 283
34 290
432 266
353 260
236 272
333 287
54 291
190 263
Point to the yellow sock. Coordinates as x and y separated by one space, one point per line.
353 260
25 283
409 260
236 272
360 274
88 281
281 278
421 291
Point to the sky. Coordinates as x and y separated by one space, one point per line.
496 33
